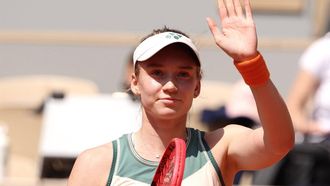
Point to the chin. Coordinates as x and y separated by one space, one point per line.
170 114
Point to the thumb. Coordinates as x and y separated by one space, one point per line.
217 34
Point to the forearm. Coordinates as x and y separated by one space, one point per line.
275 118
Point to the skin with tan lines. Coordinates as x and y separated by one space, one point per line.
167 83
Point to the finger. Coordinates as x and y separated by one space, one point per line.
230 8
212 24
222 10
247 7
217 34
238 8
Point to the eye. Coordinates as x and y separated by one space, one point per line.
157 73
183 75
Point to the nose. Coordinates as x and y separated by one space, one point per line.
170 87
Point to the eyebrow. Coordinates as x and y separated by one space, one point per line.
186 67
154 65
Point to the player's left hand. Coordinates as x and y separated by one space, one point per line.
237 37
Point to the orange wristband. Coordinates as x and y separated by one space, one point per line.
253 71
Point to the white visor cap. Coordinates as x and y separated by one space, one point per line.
155 43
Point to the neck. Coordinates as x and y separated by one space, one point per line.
151 146
155 135
163 129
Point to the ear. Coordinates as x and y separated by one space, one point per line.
134 85
197 89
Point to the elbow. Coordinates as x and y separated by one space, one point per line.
280 143
290 140
285 145
286 139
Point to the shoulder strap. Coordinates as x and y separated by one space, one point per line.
210 155
114 160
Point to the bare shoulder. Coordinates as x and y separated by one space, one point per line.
92 166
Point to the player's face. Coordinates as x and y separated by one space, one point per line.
168 82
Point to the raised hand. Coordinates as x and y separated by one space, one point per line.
237 37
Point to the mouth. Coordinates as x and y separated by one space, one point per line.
169 100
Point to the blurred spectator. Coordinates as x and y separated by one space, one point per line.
309 100
309 103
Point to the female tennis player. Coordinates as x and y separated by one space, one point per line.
167 78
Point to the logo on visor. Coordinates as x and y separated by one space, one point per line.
173 35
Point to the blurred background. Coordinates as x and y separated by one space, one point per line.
53 50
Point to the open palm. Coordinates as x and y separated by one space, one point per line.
237 37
